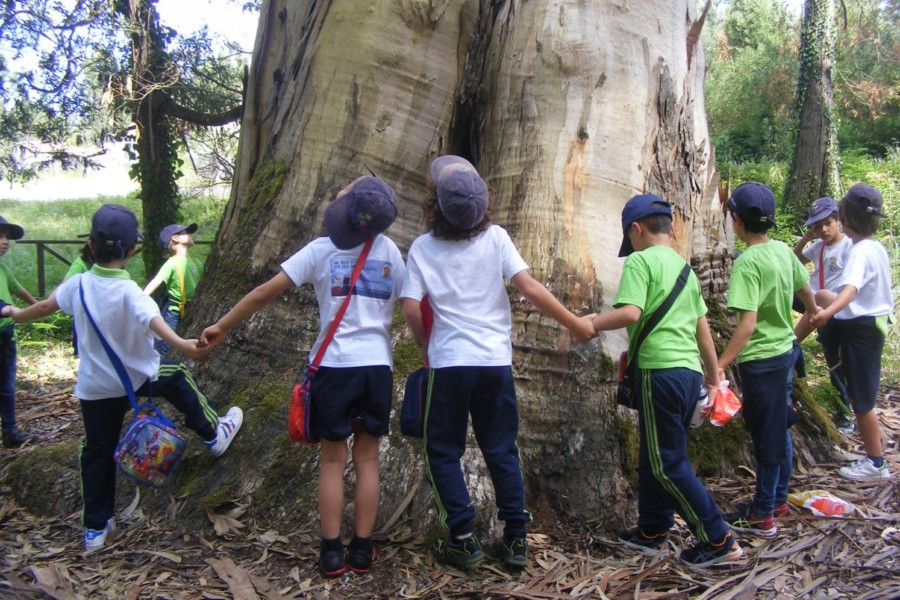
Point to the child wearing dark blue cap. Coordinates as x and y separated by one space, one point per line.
461 265
860 314
763 281
180 274
670 378
13 435
127 319
828 255
355 376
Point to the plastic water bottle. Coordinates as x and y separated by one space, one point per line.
700 408
828 507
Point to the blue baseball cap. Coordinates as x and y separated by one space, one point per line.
165 236
821 209
115 225
366 210
865 196
13 231
462 194
639 207
753 202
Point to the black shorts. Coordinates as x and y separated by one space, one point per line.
339 395
862 344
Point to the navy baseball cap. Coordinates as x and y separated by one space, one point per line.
865 196
639 207
821 209
462 194
165 236
753 202
115 225
13 231
366 210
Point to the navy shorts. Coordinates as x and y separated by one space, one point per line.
341 395
862 343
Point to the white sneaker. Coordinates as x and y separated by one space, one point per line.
864 469
94 539
225 432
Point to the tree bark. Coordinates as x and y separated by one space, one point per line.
814 171
567 109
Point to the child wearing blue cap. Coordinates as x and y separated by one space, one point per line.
127 319
353 387
860 315
670 379
763 281
461 264
180 274
13 435
828 255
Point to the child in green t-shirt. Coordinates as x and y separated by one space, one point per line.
670 381
13 436
763 281
180 274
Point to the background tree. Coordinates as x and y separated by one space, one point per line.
102 68
814 171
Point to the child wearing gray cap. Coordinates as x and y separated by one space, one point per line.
461 264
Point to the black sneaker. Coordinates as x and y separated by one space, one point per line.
331 560
514 551
458 553
705 554
360 556
845 426
651 545
15 437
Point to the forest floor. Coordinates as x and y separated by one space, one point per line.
235 556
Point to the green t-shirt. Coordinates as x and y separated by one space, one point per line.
192 269
647 278
78 266
763 280
8 286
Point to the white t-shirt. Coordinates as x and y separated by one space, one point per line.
464 281
834 258
123 312
363 337
867 269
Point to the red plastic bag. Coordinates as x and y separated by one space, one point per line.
298 413
725 406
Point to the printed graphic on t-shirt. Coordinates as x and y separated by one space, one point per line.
375 281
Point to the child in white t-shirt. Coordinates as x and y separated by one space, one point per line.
127 318
355 377
461 264
861 311
828 255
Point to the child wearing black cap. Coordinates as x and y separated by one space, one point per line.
355 375
461 265
861 311
180 274
13 435
127 319
669 385
828 255
763 281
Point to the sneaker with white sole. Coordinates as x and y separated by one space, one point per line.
864 469
226 430
94 539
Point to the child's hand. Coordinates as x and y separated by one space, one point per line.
194 349
818 317
212 336
584 329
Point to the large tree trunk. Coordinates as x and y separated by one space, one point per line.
814 171
566 108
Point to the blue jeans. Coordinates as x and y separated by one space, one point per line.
172 319
7 381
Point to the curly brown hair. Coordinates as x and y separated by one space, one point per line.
441 228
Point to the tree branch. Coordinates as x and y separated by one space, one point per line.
204 119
